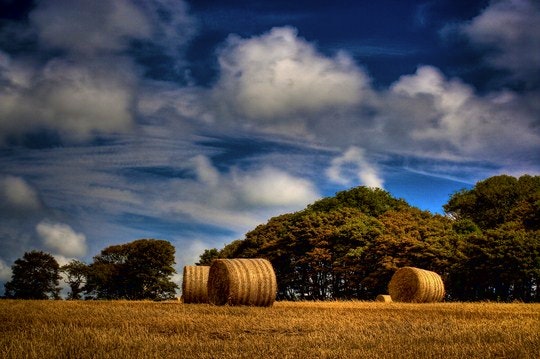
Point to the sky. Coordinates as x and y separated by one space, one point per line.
196 121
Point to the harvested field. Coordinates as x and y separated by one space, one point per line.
122 329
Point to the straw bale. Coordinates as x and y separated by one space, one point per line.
415 285
383 298
194 284
242 282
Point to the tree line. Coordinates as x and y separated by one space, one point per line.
137 270
486 246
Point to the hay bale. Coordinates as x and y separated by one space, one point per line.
242 282
384 298
416 285
194 284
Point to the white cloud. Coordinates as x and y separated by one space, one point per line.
353 163
512 29
273 187
279 74
88 27
205 171
75 99
237 200
5 271
62 238
91 86
212 214
18 193
430 116
62 260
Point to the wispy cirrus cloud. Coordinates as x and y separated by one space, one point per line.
237 199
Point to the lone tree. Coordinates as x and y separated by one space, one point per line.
137 270
35 276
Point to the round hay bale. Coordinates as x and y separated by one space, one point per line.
242 282
384 298
194 284
415 285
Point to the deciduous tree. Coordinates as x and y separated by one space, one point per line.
137 270
35 276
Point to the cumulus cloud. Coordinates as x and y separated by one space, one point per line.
511 29
279 74
5 271
75 99
273 187
62 239
353 167
89 83
427 115
88 27
103 27
18 194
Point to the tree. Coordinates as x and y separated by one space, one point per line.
207 257
137 270
371 201
498 200
35 276
76 273
501 264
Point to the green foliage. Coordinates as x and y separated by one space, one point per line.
501 264
35 276
207 257
370 201
349 246
498 200
137 270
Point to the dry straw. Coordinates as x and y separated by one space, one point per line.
242 282
194 284
416 285
384 298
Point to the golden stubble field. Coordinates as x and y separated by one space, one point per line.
123 329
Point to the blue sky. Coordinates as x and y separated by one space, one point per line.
195 121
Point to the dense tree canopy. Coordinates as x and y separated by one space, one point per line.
137 270
499 200
35 276
349 246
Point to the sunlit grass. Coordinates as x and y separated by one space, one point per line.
76 329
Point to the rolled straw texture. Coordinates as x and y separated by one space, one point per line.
194 284
415 285
383 298
242 282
